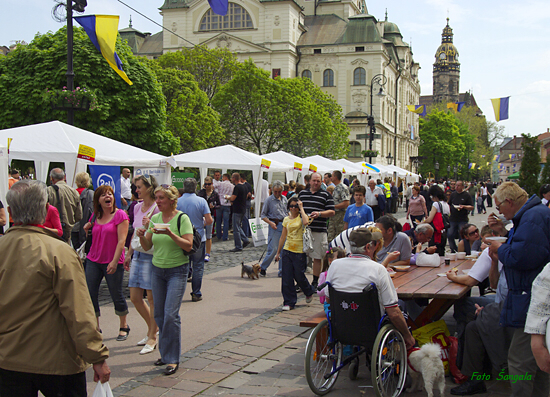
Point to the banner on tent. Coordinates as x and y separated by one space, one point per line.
179 177
86 153
259 230
297 167
107 175
158 173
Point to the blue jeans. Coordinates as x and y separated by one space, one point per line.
245 225
454 233
196 261
293 268
273 237
94 274
238 233
168 290
222 213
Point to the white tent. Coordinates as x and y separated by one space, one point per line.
322 164
229 156
288 159
3 175
59 142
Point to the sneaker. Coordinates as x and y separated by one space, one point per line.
286 308
196 298
309 299
236 250
298 289
207 258
246 244
468 388
262 273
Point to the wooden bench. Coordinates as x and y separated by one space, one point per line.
313 321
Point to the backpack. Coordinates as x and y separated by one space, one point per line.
196 238
445 217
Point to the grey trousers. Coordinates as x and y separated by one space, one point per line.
520 362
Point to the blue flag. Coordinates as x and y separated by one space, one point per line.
219 6
107 175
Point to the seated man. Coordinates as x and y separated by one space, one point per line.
342 240
422 234
352 274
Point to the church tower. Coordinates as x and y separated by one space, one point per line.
446 72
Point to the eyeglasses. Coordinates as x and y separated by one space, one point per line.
293 206
474 232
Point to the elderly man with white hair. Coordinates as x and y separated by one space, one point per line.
48 332
274 212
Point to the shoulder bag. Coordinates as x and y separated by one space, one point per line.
196 237
307 239
445 217
135 243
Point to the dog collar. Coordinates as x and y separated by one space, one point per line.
413 349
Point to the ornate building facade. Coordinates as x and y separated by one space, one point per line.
446 71
336 44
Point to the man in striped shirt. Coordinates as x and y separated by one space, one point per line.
319 205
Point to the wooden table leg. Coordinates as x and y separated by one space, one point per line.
433 312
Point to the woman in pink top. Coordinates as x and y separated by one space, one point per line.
52 221
417 206
106 256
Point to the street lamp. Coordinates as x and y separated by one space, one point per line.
455 169
381 80
389 158
436 165
416 162
448 171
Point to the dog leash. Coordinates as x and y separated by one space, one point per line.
262 254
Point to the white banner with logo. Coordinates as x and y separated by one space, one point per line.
259 231
161 174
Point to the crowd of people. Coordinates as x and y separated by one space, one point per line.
347 233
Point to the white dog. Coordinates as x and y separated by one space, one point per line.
426 363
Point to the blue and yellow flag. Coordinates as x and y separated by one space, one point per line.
418 109
102 31
497 157
500 106
219 6
457 106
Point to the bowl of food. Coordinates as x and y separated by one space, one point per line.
391 272
460 255
162 225
401 268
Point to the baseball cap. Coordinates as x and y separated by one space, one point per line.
362 236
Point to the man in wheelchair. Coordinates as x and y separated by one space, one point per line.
354 273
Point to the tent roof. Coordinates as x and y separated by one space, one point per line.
284 157
227 156
57 141
323 164
515 175
350 167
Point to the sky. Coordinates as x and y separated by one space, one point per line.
503 46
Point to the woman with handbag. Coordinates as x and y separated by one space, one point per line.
106 256
439 208
213 200
170 232
293 257
140 262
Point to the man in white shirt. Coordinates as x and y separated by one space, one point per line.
225 190
354 273
125 188
371 198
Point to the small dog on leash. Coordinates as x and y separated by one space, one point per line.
426 363
252 272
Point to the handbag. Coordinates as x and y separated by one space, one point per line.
135 243
197 239
307 240
445 217
89 237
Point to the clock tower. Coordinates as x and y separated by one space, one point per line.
446 71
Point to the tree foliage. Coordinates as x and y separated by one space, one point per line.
530 165
188 116
132 114
441 141
545 174
211 67
264 115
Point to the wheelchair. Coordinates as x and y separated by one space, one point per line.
355 319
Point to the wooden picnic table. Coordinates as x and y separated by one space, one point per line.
424 282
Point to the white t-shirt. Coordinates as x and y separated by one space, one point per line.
125 188
483 191
480 270
444 206
354 273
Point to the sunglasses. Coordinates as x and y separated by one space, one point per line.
293 206
207 184
165 186
474 232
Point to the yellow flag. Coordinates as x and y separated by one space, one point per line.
86 153
298 166
312 168
9 143
266 164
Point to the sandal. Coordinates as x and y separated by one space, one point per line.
121 338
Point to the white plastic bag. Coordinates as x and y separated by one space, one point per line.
103 390
427 260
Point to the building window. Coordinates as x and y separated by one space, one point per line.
359 76
306 74
359 49
275 73
354 149
236 18
317 51
328 78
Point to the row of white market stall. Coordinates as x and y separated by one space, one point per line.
59 142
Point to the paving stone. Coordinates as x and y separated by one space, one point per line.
204 376
146 391
259 366
228 346
241 338
178 393
232 382
253 351
209 356
163 381
271 344
257 390
196 363
222 368
227 360
192 386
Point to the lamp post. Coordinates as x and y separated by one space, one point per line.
389 158
381 80
436 165
455 169
448 171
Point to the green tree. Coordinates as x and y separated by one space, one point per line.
545 174
264 115
530 165
441 141
188 116
132 114
211 67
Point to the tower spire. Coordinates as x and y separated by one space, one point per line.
130 21
386 15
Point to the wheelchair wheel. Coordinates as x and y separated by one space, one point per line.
353 369
389 362
321 359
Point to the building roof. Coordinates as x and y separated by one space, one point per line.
466 97
152 45
361 29
322 30
169 4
